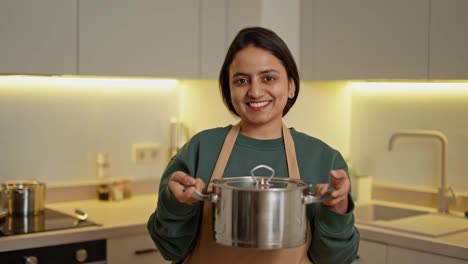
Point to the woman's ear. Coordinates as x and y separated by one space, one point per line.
291 89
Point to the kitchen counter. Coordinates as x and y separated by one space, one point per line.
127 217
452 245
116 219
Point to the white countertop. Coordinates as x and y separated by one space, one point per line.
116 219
452 245
127 217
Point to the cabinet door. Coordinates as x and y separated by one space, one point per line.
38 37
213 37
138 249
364 39
155 38
448 39
371 252
398 255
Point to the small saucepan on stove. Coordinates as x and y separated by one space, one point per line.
26 197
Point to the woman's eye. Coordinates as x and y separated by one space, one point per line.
269 78
240 81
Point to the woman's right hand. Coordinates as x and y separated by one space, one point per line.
183 185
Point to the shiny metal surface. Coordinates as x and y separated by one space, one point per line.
446 194
260 212
376 212
25 197
259 219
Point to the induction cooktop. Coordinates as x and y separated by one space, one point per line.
48 220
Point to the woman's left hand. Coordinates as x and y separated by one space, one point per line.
338 200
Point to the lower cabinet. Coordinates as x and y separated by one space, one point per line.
371 252
137 249
407 256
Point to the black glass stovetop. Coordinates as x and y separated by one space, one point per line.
48 220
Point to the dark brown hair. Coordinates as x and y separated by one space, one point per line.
265 39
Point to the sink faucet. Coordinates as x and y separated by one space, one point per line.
446 194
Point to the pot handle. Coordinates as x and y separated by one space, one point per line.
308 199
205 197
262 182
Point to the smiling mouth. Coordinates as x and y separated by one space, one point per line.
258 105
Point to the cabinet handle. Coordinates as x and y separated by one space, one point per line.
146 251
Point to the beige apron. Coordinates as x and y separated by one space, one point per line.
208 251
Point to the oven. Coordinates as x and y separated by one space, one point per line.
83 252
49 220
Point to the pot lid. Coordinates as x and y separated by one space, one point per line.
247 183
253 182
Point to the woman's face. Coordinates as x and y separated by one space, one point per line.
259 86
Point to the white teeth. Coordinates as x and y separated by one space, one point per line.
258 104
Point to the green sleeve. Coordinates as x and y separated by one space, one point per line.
335 239
174 226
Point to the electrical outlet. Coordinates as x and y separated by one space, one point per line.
145 153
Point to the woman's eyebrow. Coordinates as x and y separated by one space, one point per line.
268 71
261 72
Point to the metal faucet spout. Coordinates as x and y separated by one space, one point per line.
446 194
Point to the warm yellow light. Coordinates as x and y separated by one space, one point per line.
429 88
47 83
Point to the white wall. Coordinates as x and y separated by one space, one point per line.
322 110
52 131
378 110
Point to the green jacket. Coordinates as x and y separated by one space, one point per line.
174 226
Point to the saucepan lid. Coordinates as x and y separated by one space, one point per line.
261 183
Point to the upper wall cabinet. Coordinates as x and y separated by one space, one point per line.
139 38
38 37
448 39
213 37
365 39
222 19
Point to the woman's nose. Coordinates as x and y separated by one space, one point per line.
255 90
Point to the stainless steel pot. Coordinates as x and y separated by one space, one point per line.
260 212
24 197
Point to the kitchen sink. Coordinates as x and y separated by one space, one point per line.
410 221
376 212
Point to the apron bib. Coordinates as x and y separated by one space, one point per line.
208 251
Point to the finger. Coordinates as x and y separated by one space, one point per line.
320 189
339 181
333 202
182 178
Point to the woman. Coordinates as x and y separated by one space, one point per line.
259 82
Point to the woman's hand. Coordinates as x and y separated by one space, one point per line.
182 187
338 200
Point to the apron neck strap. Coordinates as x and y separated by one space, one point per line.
228 145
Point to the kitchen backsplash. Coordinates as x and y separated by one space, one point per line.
53 132
380 109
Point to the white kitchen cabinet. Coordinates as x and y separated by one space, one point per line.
213 37
136 249
397 255
448 39
278 15
371 252
38 37
364 39
139 38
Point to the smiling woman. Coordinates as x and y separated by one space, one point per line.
259 83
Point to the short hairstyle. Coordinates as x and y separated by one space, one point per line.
265 39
